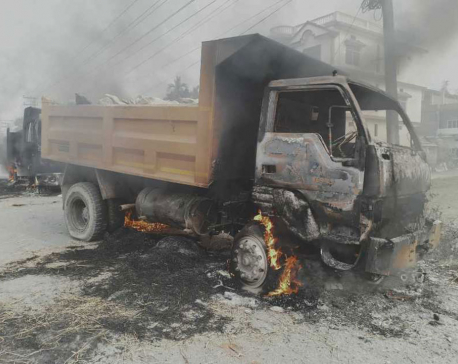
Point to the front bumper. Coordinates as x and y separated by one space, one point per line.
392 256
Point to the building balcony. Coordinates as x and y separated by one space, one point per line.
283 31
348 19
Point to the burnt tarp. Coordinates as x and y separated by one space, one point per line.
244 67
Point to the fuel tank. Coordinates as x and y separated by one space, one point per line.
179 210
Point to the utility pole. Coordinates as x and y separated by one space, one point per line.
391 62
29 101
391 78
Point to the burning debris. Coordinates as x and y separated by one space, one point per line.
12 172
143 226
287 283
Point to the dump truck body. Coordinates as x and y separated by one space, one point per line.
274 131
192 145
163 143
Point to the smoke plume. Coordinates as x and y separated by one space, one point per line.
429 24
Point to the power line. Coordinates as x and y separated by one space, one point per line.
198 47
368 5
138 39
220 35
268 16
100 50
193 28
163 34
250 18
108 26
131 26
183 35
81 50
151 30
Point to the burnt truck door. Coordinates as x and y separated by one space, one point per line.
312 142
397 174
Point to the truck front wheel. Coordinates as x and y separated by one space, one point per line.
85 212
249 264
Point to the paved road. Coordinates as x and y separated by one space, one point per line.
36 223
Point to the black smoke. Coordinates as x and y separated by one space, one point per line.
431 24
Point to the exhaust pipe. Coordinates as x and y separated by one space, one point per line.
176 209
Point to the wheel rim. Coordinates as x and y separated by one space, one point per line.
80 215
250 261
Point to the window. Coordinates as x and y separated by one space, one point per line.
352 56
353 51
453 124
320 111
374 107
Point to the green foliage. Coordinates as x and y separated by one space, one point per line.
177 90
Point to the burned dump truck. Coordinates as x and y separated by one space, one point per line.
24 153
277 139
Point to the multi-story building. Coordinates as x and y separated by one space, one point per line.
440 123
356 46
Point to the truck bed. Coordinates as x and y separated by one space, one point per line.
192 145
160 142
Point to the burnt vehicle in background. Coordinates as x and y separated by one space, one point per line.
277 143
24 153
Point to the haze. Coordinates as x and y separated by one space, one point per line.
55 48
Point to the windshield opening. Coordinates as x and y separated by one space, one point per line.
319 111
375 106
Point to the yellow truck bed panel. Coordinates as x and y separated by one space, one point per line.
160 142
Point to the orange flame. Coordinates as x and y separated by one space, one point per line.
288 283
143 226
273 254
12 172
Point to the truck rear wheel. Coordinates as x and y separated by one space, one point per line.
85 212
249 263
115 215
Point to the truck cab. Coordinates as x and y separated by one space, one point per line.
321 174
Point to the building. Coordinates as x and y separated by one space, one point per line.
440 124
355 46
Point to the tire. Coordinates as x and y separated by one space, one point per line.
85 212
249 264
115 217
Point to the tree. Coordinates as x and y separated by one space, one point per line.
177 90
195 92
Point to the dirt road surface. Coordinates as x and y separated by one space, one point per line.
138 298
